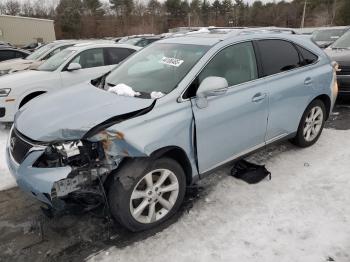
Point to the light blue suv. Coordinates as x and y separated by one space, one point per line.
166 117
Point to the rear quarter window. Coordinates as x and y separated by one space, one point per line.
307 56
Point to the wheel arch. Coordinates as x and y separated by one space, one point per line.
174 152
29 97
326 101
179 155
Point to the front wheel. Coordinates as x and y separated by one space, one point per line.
311 124
146 192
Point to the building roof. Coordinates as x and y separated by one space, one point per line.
24 17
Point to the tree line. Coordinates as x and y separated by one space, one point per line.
94 18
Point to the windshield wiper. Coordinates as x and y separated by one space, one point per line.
338 48
100 81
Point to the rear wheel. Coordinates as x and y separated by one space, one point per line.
145 193
311 124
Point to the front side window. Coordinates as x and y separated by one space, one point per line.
90 58
158 68
278 56
56 61
236 63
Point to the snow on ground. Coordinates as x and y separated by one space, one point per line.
6 180
302 214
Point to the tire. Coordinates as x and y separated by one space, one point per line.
140 179
313 126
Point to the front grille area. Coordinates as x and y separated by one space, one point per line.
19 147
344 70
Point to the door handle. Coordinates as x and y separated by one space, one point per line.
258 97
308 81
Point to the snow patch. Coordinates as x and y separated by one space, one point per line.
302 214
123 90
6 179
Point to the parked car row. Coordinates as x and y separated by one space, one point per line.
326 36
75 64
339 51
8 52
136 135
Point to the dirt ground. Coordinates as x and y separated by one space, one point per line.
27 235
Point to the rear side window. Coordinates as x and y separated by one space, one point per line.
21 55
307 56
6 54
114 55
277 56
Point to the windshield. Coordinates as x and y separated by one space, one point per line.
54 62
36 55
329 35
132 41
343 42
158 68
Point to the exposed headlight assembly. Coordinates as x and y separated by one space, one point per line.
74 153
4 92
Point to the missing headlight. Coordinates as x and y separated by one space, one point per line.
73 153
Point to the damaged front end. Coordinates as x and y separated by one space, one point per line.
70 156
64 173
89 165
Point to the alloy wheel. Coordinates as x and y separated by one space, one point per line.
313 124
154 196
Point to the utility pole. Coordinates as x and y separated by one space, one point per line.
334 11
304 12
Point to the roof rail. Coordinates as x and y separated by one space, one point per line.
262 30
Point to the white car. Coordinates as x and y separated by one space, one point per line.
36 58
76 64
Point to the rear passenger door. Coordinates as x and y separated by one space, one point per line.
233 123
289 78
93 65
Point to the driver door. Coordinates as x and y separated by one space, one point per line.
233 123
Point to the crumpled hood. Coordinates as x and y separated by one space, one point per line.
70 113
342 56
16 64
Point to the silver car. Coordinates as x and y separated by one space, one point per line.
168 116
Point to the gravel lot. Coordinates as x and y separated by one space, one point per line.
302 214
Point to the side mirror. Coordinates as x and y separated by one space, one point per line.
210 86
73 67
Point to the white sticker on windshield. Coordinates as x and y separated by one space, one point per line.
171 61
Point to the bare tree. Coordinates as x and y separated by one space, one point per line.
13 7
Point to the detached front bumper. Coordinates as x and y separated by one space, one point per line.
37 182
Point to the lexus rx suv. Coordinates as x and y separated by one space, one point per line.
168 116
